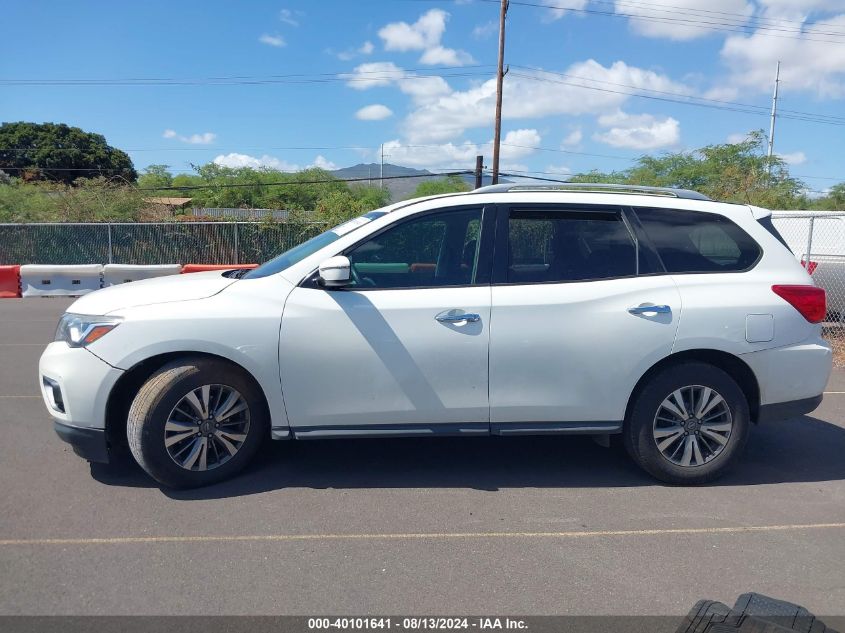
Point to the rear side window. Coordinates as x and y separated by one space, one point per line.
695 242
558 246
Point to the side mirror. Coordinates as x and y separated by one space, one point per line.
335 272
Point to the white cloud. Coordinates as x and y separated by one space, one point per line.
573 138
811 63
365 49
374 112
794 158
287 16
380 74
516 144
673 19
206 138
483 31
562 170
374 74
424 35
519 143
739 137
323 163
554 13
440 56
449 115
236 160
272 40
638 131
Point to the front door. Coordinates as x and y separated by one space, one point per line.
404 348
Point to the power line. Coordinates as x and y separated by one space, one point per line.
297 182
730 27
761 109
692 12
686 100
237 80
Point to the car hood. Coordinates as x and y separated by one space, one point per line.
151 291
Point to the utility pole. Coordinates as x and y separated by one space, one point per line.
381 172
500 77
772 124
479 165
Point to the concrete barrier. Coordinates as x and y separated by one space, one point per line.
114 274
10 282
38 280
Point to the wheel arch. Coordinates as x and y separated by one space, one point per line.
731 364
127 386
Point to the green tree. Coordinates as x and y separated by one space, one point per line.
731 172
155 176
449 184
58 152
834 200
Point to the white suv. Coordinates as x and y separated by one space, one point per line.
656 314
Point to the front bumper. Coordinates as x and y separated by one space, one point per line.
82 382
89 444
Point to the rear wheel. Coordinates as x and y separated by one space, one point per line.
196 421
688 425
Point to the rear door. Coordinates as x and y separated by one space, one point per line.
580 310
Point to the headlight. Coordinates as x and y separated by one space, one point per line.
79 330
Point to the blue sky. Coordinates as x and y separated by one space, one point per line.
339 78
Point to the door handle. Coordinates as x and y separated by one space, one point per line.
664 309
458 318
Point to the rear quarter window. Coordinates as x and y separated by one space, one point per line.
696 242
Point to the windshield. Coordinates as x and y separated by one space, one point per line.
300 252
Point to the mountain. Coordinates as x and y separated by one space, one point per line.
400 188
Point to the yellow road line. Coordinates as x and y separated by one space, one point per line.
827 393
133 540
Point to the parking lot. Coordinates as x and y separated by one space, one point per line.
522 526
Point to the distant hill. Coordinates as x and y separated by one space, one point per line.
400 188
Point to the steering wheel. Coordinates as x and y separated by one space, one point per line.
357 280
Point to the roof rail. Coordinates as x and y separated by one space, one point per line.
586 187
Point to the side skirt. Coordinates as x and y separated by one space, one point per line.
445 430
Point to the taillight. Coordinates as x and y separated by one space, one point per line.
808 300
809 265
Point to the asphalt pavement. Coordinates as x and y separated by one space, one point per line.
484 526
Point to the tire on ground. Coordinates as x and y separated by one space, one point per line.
639 440
158 396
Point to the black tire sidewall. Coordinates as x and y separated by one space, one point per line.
149 430
638 434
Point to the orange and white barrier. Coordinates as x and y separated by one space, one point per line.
38 280
10 282
114 274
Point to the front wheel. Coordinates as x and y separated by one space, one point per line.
196 421
688 425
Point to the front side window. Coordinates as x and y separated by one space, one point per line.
696 242
546 246
437 249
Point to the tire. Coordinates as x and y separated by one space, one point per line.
652 420
153 419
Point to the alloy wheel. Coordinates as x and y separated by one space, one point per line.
207 427
692 426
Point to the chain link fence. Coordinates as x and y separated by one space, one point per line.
818 241
150 243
